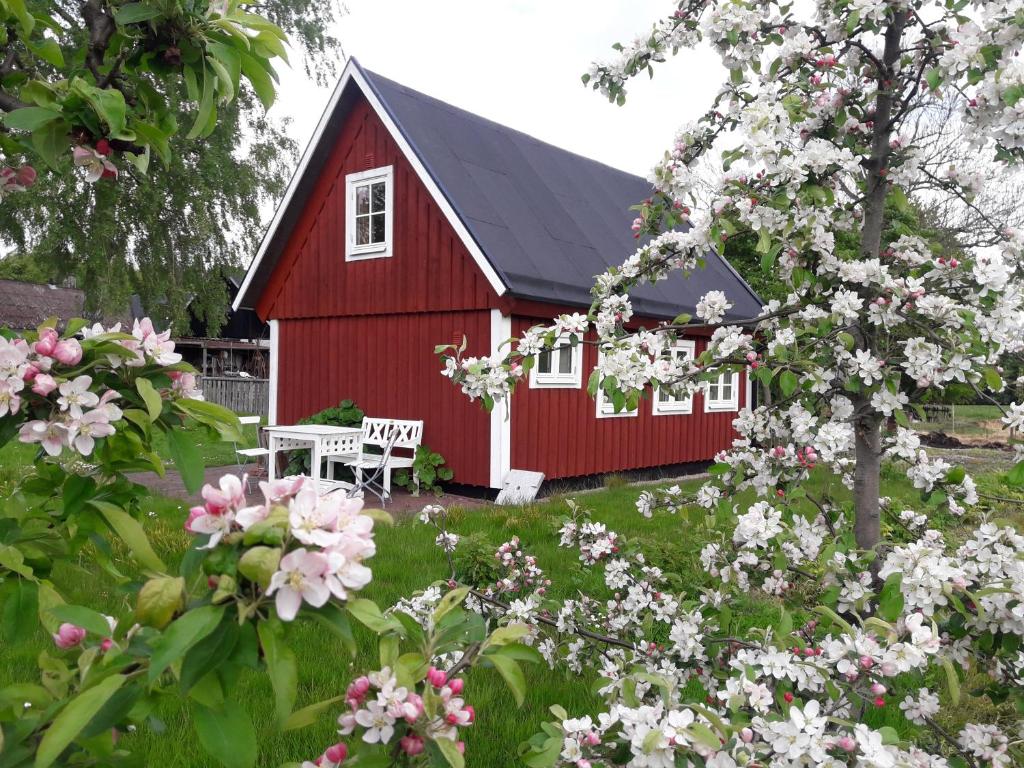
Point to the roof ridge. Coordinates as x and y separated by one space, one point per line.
503 126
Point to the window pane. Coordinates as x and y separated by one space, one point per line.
544 363
565 360
362 199
378 197
663 395
377 230
362 230
727 389
713 391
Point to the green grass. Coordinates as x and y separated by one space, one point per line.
406 561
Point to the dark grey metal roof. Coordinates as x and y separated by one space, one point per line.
548 220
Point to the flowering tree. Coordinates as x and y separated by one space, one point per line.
87 83
820 106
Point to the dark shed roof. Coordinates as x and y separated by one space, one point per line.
547 220
24 306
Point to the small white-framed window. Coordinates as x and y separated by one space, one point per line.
664 402
723 393
560 367
606 408
369 201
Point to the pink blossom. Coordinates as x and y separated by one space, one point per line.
19 180
47 342
456 685
75 395
336 753
10 401
436 677
51 434
300 577
94 424
68 352
229 495
68 636
157 345
96 165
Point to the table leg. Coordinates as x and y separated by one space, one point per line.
314 466
272 458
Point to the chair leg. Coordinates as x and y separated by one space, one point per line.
387 481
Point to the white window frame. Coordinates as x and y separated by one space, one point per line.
718 404
606 408
383 250
571 380
675 407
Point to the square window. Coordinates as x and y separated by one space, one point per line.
606 408
722 394
561 367
369 214
666 403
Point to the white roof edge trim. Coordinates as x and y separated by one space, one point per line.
352 72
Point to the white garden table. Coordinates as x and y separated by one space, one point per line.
320 439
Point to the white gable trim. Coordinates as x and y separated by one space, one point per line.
354 74
501 413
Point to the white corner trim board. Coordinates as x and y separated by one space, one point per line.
275 348
354 74
501 414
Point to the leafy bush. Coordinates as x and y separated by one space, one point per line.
345 414
428 470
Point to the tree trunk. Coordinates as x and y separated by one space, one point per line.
867 477
867 424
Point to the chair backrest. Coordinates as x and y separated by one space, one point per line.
379 432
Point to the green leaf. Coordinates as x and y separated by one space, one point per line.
452 600
25 19
281 667
48 50
227 734
788 382
934 78
368 614
1016 475
131 533
513 675
181 635
29 118
451 752
80 616
51 141
952 681
73 718
259 78
19 610
890 601
307 716
133 13
992 379
188 459
205 105
220 418
154 403
209 653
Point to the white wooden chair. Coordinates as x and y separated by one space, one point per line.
377 456
246 456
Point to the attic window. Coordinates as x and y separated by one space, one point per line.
368 213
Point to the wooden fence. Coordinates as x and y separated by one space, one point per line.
239 394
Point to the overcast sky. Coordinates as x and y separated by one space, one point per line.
519 62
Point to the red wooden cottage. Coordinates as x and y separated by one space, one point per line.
411 223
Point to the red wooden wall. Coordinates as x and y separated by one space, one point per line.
430 269
557 431
387 365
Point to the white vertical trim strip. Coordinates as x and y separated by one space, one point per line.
275 348
749 388
501 414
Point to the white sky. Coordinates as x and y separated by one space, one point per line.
519 62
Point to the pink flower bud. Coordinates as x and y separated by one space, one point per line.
456 685
68 636
337 753
436 677
411 744
47 342
106 644
593 739
472 712
747 735
68 351
43 384
361 685
866 662
879 702
846 743
877 689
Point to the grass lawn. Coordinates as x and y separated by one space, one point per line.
407 560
